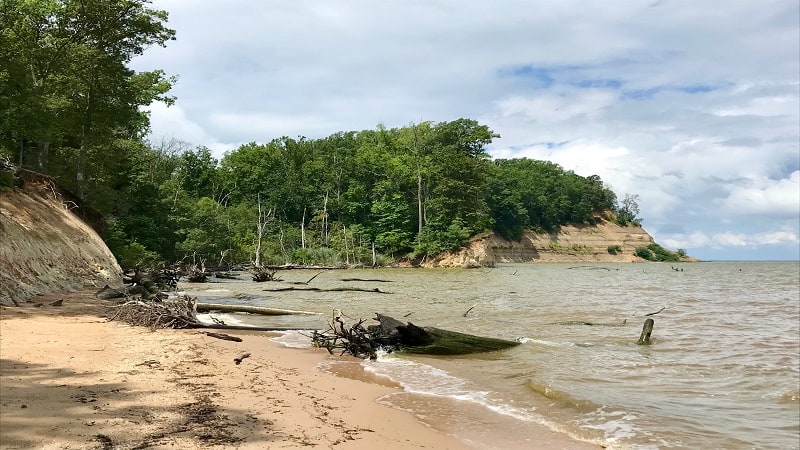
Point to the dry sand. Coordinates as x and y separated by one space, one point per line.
69 379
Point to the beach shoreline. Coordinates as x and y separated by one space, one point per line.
72 379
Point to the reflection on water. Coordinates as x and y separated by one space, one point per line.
722 370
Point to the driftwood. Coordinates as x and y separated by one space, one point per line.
394 335
109 293
469 309
223 336
164 278
148 285
249 309
654 313
175 313
195 273
262 274
300 267
590 324
241 358
336 289
226 275
147 289
306 282
367 280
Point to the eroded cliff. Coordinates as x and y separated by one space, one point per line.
569 244
44 248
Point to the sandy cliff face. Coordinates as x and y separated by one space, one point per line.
44 248
570 244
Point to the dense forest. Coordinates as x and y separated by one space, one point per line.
72 109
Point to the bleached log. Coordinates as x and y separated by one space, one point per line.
203 307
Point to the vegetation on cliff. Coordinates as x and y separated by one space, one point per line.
355 197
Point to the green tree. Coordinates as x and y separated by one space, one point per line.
66 90
629 210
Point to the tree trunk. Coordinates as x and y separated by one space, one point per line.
250 309
303 230
42 157
419 201
647 330
435 341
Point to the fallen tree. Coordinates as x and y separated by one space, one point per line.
393 335
203 307
335 289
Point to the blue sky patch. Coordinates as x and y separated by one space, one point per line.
599 83
641 94
543 76
697 88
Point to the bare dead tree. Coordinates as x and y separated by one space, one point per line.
261 223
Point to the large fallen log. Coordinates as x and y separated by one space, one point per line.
204 307
394 335
436 341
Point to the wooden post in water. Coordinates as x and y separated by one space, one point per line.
644 338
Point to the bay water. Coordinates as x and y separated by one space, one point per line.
722 369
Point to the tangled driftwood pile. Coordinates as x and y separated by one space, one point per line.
180 312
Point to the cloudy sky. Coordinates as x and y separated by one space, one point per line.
694 105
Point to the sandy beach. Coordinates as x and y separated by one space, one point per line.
70 379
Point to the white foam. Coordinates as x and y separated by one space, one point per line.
228 319
294 339
616 426
527 340
423 379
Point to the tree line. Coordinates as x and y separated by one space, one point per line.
72 110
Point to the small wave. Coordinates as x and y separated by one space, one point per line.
791 396
423 379
527 340
227 319
294 339
617 426
562 398
214 291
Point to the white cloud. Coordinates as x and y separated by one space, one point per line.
171 123
699 240
766 196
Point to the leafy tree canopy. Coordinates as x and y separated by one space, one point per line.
71 108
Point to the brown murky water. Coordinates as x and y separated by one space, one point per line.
723 369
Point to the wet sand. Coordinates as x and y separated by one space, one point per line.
71 379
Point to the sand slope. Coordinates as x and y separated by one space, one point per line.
44 248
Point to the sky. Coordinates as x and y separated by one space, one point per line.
693 105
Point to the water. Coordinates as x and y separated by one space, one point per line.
723 369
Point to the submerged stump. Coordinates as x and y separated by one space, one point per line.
647 329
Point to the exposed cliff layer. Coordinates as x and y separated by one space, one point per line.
44 248
569 244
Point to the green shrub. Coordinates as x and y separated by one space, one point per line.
655 252
135 255
554 246
662 254
580 249
6 179
644 253
614 249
